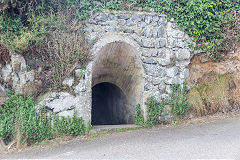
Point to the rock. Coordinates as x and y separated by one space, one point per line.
32 88
130 22
123 16
183 54
18 63
180 44
162 87
157 96
68 81
58 102
148 32
148 19
2 91
147 43
30 75
164 57
136 18
80 87
128 31
122 22
171 72
142 24
168 89
104 17
154 70
67 113
174 80
148 86
6 73
162 21
184 74
156 80
160 43
160 32
149 60
112 16
155 18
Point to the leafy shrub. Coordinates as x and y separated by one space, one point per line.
177 101
19 119
139 119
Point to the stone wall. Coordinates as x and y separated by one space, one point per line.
157 52
162 48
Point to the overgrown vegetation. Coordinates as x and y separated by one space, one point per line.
213 24
176 101
20 121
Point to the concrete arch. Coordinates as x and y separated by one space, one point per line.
117 62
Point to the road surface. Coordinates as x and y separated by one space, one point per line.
216 140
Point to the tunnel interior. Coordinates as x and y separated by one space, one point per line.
108 105
117 84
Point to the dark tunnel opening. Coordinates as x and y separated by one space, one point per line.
108 105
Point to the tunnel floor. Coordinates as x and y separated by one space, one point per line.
108 105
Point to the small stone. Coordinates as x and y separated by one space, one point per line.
142 24
148 19
149 61
148 87
30 75
180 44
184 74
136 18
154 70
162 21
168 89
162 87
130 22
157 96
155 18
2 91
147 43
183 54
122 16
112 16
80 87
160 43
122 22
104 17
67 113
171 72
68 81
156 80
128 31
174 80
6 73
161 32
148 32
164 57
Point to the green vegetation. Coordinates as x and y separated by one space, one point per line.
139 119
213 24
217 93
19 120
176 100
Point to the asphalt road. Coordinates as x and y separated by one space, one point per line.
217 140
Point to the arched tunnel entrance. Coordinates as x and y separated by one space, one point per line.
108 104
117 84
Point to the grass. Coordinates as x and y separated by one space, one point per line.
211 95
118 130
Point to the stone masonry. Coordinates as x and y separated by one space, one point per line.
158 54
